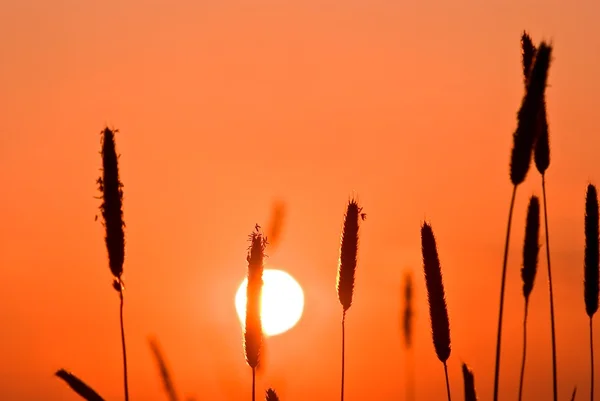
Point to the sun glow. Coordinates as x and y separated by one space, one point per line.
282 302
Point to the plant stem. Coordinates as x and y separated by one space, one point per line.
126 386
592 360
524 349
343 350
253 384
554 380
447 381
499 338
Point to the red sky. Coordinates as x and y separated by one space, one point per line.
224 107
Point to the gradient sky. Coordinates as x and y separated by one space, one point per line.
224 107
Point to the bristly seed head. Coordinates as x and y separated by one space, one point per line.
528 52
253 329
531 246
438 312
348 254
112 206
524 137
469 383
591 283
272 395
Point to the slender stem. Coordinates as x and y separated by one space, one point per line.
253 384
524 349
592 360
343 349
498 340
447 381
124 350
554 380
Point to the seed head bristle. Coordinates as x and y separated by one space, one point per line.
469 383
348 253
253 328
407 315
528 53
112 205
438 312
527 119
591 266
272 395
531 246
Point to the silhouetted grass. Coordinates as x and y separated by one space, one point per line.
78 386
253 335
163 370
276 223
541 154
347 268
531 249
591 285
469 383
112 212
523 141
407 330
272 395
438 312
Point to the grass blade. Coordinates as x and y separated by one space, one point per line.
163 370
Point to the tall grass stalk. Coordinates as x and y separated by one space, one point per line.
438 312
591 285
253 335
541 154
271 395
523 141
165 375
112 212
347 269
407 329
530 259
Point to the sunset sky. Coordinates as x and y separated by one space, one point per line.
224 107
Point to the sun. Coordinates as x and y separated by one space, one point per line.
282 302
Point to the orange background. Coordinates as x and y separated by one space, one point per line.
225 106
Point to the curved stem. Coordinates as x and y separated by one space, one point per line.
554 380
524 349
592 360
499 337
343 350
447 381
253 384
124 349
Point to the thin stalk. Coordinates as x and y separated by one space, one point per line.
447 381
253 383
554 380
343 349
499 338
124 349
592 360
524 349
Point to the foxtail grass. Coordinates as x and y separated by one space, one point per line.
111 188
272 395
253 335
163 370
541 153
469 383
523 141
574 394
78 386
438 312
591 284
276 223
347 269
531 249
407 330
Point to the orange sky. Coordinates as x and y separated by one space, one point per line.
225 106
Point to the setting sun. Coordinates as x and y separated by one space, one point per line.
282 302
